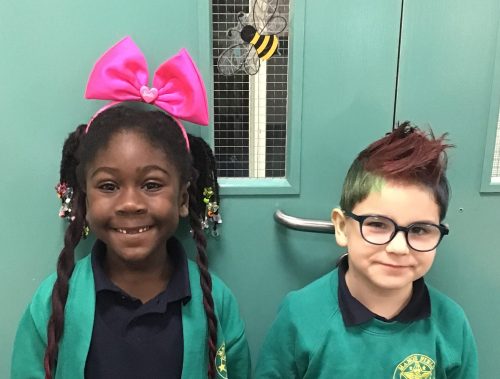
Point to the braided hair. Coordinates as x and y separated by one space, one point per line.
196 166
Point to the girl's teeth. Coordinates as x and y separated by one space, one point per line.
140 230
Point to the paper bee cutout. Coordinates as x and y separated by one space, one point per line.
254 39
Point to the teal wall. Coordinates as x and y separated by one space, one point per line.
350 54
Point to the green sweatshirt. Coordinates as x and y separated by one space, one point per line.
232 360
308 340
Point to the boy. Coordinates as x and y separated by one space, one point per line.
374 316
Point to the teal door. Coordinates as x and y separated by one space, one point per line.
357 76
446 79
366 64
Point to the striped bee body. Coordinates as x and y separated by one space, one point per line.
265 45
253 40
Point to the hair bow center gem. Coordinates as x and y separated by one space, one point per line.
148 94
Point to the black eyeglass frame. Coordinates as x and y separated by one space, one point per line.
405 229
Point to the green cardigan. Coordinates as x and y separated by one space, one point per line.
232 360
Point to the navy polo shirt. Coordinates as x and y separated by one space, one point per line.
355 313
135 340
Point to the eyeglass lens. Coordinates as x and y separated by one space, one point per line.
380 230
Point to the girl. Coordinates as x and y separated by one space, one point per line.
134 308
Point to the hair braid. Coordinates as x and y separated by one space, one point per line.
205 175
205 278
66 260
212 169
205 164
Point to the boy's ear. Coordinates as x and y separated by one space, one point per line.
339 221
184 200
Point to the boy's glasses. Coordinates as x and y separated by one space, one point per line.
379 230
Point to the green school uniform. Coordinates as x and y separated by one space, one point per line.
309 340
232 359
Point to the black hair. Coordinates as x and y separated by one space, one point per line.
196 165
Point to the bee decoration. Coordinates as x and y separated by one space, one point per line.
254 39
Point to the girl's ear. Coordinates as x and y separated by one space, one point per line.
184 200
339 221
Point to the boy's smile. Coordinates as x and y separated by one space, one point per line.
134 199
390 268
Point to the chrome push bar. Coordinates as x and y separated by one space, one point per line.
304 224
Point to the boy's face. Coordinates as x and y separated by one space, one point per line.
395 265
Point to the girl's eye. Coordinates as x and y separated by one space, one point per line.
108 187
152 186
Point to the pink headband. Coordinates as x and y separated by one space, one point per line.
121 74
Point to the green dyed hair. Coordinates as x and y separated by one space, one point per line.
358 184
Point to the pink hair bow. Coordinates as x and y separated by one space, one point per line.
121 74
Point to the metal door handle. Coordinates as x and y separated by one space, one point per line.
304 224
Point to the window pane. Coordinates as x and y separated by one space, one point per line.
249 110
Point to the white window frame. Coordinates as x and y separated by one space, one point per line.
263 186
488 182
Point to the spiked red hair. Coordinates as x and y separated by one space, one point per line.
407 154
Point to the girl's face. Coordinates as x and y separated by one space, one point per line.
395 265
134 198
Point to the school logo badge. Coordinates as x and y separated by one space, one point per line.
416 366
220 361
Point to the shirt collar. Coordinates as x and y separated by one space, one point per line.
178 286
355 313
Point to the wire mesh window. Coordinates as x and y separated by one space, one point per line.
495 174
250 110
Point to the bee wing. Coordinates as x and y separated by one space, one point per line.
252 62
234 37
266 17
242 19
275 25
233 58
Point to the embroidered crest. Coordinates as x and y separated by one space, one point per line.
220 361
415 366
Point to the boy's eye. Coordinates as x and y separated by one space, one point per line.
376 224
421 229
